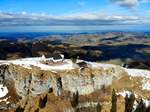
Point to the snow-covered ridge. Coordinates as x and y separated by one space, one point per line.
36 61
144 74
67 64
138 73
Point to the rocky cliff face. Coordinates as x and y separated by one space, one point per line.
28 85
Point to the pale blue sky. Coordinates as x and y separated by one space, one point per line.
55 7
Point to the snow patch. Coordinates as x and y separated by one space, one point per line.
145 84
3 91
147 103
100 65
124 93
138 73
135 105
36 61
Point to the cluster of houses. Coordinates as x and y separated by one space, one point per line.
56 58
59 58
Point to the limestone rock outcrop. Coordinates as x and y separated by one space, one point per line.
66 87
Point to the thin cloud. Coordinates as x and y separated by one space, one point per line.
24 12
21 19
126 3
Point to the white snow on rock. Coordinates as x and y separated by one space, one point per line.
67 64
145 84
124 93
3 91
145 74
135 105
36 61
147 103
138 73
100 65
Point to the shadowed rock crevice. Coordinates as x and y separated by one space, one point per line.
37 110
75 99
59 86
43 101
19 109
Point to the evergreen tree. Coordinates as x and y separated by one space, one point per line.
129 102
98 107
141 107
75 99
114 101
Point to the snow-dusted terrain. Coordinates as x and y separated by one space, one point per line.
143 74
139 73
67 64
28 62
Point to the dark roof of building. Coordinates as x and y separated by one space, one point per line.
82 64
56 56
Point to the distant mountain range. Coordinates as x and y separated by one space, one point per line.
13 36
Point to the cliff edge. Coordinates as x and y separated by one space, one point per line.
39 85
